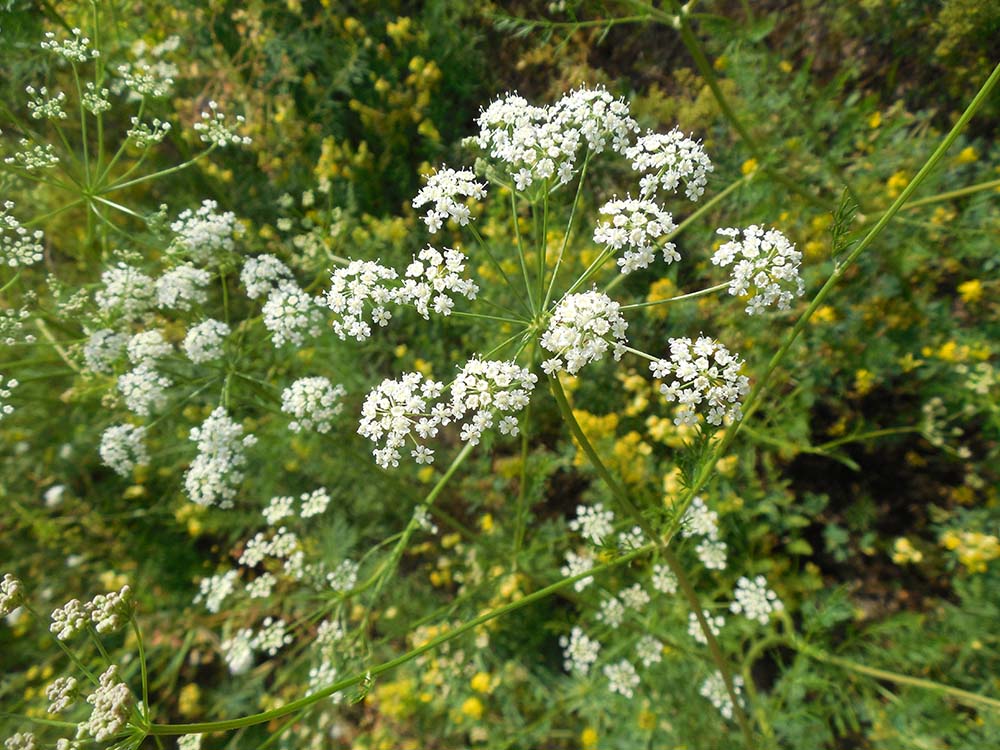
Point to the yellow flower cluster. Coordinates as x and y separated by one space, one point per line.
974 549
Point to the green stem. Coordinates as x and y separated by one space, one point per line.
979 187
142 669
156 175
496 264
569 230
691 295
340 685
713 645
461 314
962 696
520 249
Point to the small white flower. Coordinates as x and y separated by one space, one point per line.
577 564
634 597
69 619
579 651
123 447
663 580
217 130
11 594
271 637
18 245
262 274
61 694
217 470
291 315
237 651
593 522
712 554
146 347
622 678
714 689
649 650
104 347
144 390
181 287
214 590
126 291
754 600
112 702
714 624
699 520
110 612
205 234
612 612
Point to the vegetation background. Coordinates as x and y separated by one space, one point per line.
865 488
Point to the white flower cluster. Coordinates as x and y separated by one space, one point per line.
448 191
700 520
579 331
147 135
144 389
649 650
271 637
263 273
11 594
33 157
6 388
579 651
237 651
146 81
636 225
765 267
108 612
77 49
44 108
213 590
576 564
622 678
18 245
216 129
714 624
127 291
291 315
612 612
145 347
396 409
61 694
181 287
95 100
663 579
261 586
205 233
634 597
313 403
593 522
344 577
112 702
542 143
429 284
712 553
714 689
704 374
312 504
754 600
667 160
362 283
204 341
21 741
431 277
216 471
123 447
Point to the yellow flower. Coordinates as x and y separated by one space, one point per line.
967 155
875 120
864 381
473 708
188 699
647 720
785 66
896 184
486 523
480 682
825 314
971 291
749 166
588 738
904 552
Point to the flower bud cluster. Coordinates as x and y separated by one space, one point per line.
706 376
77 49
217 130
580 329
112 702
33 157
637 225
765 267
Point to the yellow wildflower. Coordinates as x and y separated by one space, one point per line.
473 708
875 120
749 166
967 155
904 552
971 291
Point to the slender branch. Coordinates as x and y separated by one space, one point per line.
690 295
